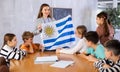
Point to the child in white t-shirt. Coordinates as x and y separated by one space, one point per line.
80 46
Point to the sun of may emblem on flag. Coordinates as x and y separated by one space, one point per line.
49 31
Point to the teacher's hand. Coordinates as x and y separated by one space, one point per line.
39 27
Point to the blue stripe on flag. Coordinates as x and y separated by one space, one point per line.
66 27
61 42
64 22
62 35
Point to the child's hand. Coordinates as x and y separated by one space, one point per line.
83 55
106 66
91 58
30 48
30 44
41 47
58 50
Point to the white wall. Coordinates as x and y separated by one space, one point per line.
17 16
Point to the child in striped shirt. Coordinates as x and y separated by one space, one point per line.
112 61
8 51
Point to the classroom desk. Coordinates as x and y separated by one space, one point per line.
27 64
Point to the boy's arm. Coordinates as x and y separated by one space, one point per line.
99 63
84 55
92 58
102 66
89 57
105 67
31 48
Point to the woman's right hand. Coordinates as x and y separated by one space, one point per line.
39 27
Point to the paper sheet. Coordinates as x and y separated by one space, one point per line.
46 59
62 64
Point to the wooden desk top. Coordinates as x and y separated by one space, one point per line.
27 64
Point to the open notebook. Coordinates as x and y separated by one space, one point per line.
45 59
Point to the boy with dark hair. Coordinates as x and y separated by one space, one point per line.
95 50
112 61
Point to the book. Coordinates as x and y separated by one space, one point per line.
46 59
62 64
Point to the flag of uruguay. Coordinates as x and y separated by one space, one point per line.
58 34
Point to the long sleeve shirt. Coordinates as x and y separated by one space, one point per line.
11 53
80 47
114 67
101 34
40 21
